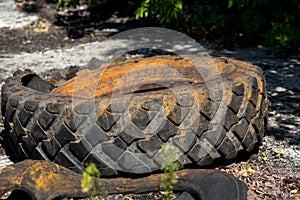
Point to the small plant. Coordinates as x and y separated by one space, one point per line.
164 11
169 168
90 184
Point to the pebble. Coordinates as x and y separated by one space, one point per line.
4 161
273 71
280 89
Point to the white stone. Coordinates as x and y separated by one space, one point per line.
280 89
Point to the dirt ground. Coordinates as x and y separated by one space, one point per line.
40 35
273 173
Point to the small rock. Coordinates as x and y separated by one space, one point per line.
94 63
72 70
4 161
184 196
273 71
280 89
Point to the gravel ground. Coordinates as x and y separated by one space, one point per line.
11 19
273 173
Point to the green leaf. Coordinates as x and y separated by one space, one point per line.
178 5
89 181
230 3
92 170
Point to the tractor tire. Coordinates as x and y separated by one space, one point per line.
120 120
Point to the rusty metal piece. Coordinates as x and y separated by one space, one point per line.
47 180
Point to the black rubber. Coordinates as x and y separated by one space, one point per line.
42 125
29 179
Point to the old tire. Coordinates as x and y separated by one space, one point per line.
45 123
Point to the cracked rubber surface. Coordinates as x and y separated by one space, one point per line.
120 121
